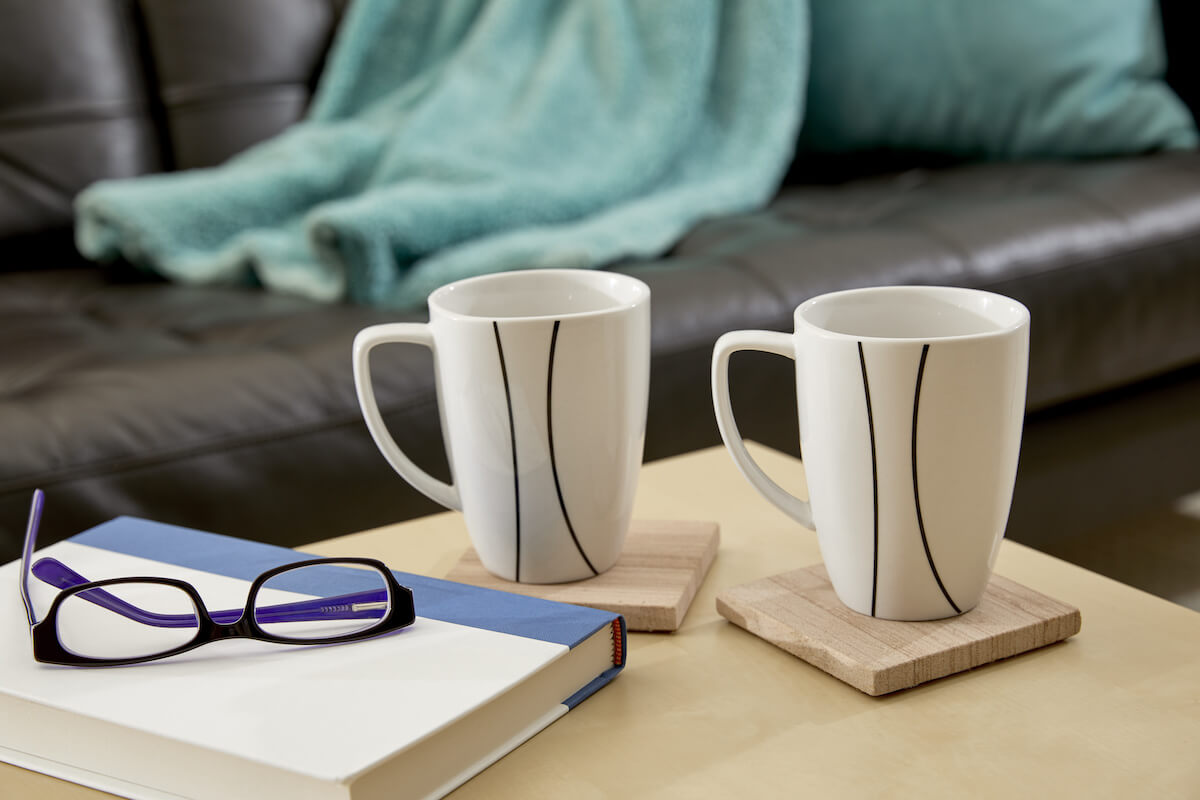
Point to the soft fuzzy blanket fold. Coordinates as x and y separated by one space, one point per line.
450 138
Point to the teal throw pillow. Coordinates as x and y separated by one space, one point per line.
999 79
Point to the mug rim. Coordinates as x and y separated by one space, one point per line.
590 277
1014 306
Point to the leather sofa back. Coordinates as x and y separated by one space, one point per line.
94 89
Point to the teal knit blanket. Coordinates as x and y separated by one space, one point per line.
450 138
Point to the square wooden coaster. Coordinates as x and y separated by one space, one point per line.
651 585
799 612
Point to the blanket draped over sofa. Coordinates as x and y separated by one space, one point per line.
450 138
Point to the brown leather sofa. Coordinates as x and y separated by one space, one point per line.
233 410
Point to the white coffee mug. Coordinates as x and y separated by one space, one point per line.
911 404
542 381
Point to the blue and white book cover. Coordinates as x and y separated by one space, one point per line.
503 665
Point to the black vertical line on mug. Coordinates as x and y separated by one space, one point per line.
862 360
512 432
916 491
550 438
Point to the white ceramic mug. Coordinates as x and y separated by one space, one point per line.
911 404
542 380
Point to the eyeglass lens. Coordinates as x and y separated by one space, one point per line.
352 598
156 619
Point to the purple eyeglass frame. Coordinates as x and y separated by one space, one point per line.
210 626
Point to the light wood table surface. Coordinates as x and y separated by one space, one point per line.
713 711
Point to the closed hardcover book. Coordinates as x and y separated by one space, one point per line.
414 713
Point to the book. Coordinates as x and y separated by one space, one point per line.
410 714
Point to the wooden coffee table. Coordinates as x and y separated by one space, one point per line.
713 711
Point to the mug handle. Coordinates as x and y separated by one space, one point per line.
403 332
781 344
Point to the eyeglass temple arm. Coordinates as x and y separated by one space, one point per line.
31 529
359 605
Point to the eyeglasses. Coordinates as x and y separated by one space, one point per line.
130 620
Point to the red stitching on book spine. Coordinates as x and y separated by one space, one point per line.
618 650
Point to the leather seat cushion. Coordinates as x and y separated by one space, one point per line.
214 406
1105 254
123 396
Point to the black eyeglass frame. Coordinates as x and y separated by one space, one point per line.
48 649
